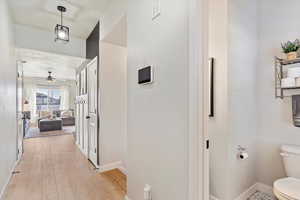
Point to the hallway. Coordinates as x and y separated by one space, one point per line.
53 168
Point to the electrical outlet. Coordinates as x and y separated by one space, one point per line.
155 9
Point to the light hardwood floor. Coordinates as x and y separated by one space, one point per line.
52 168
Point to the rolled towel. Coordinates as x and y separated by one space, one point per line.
298 82
288 82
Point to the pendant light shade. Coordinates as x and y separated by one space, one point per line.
62 33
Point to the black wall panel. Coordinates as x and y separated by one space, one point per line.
92 43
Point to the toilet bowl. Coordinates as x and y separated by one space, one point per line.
289 188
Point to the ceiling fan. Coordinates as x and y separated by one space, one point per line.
50 78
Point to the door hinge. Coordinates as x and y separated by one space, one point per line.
95 150
207 144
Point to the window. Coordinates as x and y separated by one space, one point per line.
48 99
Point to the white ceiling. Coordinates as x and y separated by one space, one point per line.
38 64
81 15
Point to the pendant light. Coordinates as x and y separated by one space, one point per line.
50 78
61 31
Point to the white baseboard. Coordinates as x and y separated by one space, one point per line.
111 166
248 192
123 170
256 187
126 198
8 179
265 189
213 197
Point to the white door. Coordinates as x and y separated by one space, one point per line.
20 116
81 121
78 121
83 82
92 72
85 125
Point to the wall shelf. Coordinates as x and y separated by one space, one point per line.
281 66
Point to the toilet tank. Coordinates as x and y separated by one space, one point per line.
291 160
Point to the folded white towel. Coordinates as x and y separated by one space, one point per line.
288 82
297 82
293 72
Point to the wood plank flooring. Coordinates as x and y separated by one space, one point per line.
52 168
118 178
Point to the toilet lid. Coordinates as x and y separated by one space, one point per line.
289 187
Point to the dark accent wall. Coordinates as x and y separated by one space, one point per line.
92 43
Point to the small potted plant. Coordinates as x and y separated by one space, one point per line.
290 49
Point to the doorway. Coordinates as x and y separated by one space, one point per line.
92 75
87 129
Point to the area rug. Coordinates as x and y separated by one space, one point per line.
34 132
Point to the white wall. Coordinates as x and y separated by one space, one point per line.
8 111
158 113
113 78
233 43
275 115
242 82
37 39
118 34
112 16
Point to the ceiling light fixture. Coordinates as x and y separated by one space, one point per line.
50 78
62 33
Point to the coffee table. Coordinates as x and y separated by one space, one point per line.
50 125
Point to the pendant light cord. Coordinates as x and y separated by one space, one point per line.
61 17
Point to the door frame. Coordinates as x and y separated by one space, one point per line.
198 160
19 152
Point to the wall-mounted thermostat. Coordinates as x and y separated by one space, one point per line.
145 75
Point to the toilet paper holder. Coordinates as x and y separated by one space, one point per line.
242 154
241 149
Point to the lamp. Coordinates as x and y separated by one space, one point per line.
26 106
62 33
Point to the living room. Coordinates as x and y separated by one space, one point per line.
49 90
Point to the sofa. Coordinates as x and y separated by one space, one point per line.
67 116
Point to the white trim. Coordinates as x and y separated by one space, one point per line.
111 166
198 179
81 150
8 179
123 170
213 197
265 189
256 187
246 194
126 198
251 190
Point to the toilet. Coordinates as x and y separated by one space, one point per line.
289 188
